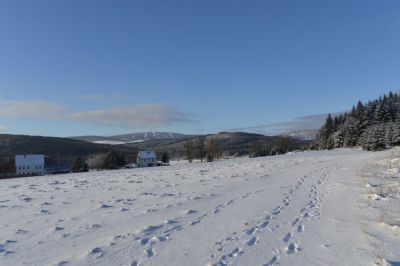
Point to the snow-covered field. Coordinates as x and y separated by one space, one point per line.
311 208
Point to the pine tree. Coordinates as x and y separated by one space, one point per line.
77 165
389 134
329 126
373 125
337 139
351 132
375 140
379 115
165 157
396 134
360 109
85 167
254 149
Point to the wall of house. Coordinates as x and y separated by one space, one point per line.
146 162
30 170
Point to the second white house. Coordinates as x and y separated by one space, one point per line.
146 159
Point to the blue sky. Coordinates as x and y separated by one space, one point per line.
111 67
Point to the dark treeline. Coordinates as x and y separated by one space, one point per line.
373 126
107 161
7 166
215 148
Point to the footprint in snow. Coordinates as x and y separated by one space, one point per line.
300 228
250 231
149 253
105 206
236 252
287 237
251 241
264 224
194 222
151 229
272 261
135 263
276 212
292 248
143 241
97 252
20 232
62 263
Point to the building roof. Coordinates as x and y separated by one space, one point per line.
147 155
32 159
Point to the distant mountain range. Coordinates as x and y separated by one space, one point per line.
132 138
308 134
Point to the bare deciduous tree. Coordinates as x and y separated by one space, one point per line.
200 148
189 150
213 150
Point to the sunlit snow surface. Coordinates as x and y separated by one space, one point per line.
296 209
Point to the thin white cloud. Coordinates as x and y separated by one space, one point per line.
102 98
3 128
148 115
23 109
138 115
309 122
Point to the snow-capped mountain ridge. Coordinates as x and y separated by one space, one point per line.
131 137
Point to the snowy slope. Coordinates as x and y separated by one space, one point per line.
296 209
306 134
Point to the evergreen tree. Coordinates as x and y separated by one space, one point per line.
77 165
377 140
373 125
396 134
120 160
337 139
254 149
165 157
351 132
360 109
85 167
389 134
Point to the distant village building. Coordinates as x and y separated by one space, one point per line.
146 159
29 164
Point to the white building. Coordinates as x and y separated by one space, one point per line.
146 159
29 164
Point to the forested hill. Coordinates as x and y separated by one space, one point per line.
374 126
